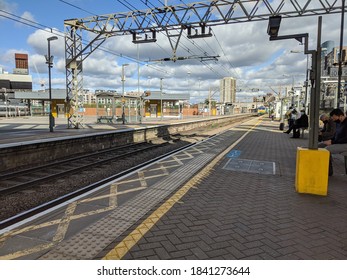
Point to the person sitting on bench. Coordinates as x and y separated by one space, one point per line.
329 128
299 123
338 144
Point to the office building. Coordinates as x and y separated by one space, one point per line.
227 90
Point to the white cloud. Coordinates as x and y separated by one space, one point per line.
7 6
38 41
27 17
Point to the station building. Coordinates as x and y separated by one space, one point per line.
158 103
147 104
38 101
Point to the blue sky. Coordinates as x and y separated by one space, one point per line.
244 49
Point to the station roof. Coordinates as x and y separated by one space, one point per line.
61 94
16 77
40 95
156 95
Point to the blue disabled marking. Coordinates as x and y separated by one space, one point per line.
234 154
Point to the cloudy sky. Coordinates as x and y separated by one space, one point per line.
244 49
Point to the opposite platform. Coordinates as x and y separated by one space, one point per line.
25 129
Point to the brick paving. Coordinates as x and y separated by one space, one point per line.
241 215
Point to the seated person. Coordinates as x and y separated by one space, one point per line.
302 121
338 143
291 116
328 130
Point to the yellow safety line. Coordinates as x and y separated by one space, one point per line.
112 196
113 200
64 222
122 248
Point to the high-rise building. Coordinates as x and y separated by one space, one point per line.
22 65
227 90
327 47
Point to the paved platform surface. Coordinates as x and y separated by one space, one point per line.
244 215
243 205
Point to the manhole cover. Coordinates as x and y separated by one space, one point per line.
251 166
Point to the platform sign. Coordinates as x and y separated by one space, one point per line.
335 70
234 154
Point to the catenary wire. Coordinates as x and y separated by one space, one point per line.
188 50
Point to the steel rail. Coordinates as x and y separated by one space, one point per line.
14 174
34 211
71 170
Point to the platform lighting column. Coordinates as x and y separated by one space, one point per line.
161 98
209 102
49 61
293 93
138 78
306 86
181 109
123 100
5 94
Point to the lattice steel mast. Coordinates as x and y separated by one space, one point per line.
172 20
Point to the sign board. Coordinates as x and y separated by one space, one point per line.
333 72
20 71
234 154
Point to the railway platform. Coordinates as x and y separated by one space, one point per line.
25 129
230 197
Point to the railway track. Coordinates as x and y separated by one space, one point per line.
29 178
40 208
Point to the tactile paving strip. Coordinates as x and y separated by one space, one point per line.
89 242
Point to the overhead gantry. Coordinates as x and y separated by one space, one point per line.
196 19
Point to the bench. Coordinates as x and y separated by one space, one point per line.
119 119
108 119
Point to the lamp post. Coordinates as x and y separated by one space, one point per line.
188 76
273 28
138 65
123 101
5 95
188 87
209 102
161 98
49 61
138 76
